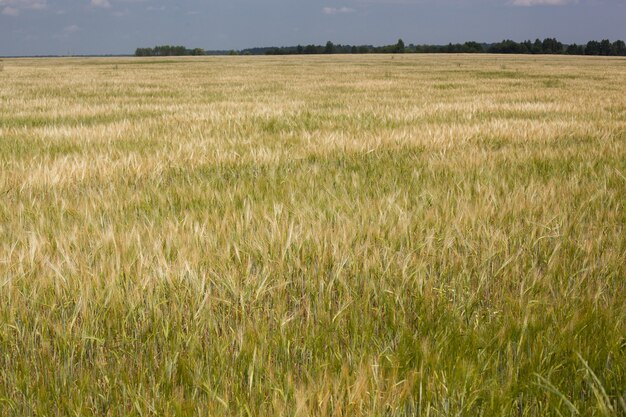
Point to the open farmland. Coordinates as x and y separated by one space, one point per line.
313 236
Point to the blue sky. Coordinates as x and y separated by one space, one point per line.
32 27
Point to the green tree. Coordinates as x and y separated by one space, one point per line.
473 47
144 52
592 48
399 48
552 46
619 48
605 47
330 48
574 49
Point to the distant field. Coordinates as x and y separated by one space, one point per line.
410 235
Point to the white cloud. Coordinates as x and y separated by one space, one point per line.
71 29
15 7
527 3
101 3
337 10
10 11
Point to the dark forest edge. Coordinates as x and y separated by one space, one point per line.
547 46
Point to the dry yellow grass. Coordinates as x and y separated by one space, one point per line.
313 236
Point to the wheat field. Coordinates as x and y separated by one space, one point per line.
410 235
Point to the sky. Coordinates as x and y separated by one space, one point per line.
60 27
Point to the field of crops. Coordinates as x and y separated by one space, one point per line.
313 236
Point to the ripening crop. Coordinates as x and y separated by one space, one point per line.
372 235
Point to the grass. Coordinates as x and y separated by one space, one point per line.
319 236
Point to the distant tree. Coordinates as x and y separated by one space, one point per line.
507 46
144 52
473 47
168 50
574 49
592 48
340 49
552 46
605 47
528 47
449 48
619 48
399 47
523 48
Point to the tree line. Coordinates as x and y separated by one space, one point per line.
547 46
168 50
553 46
